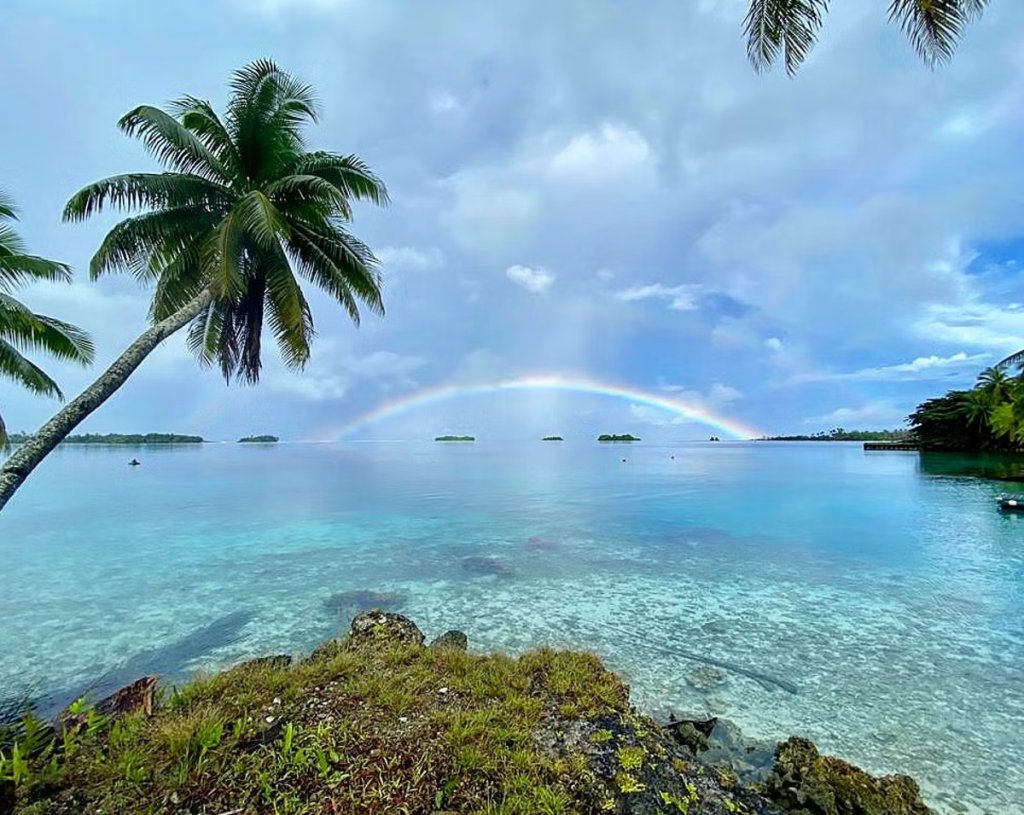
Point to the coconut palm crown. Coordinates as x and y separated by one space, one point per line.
789 28
241 215
22 330
242 211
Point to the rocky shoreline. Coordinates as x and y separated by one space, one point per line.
381 722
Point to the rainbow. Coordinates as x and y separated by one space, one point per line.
571 384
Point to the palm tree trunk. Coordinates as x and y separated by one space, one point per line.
27 457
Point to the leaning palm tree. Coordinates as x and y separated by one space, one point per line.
243 211
22 330
790 28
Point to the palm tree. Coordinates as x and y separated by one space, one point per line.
790 28
242 211
23 330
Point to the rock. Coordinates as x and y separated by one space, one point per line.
750 759
478 565
134 698
452 639
692 733
706 678
275 661
372 627
350 603
539 544
805 782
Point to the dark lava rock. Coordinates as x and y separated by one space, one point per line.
750 759
381 626
692 733
478 565
451 639
807 783
275 661
636 769
350 603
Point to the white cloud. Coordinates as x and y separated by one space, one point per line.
598 155
410 258
872 415
444 102
773 344
998 328
921 368
681 298
532 278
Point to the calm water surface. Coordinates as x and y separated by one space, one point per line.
885 589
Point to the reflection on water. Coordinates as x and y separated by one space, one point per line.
872 601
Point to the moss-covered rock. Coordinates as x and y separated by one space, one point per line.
807 783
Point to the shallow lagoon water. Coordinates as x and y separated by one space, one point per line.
884 587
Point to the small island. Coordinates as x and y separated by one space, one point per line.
617 437
552 438
258 440
129 439
454 438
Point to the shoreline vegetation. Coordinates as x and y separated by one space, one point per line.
552 438
617 437
379 722
455 438
259 440
121 439
840 434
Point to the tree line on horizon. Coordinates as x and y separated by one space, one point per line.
244 210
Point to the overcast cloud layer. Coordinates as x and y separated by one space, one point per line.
597 188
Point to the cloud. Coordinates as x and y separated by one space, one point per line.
334 370
534 279
601 154
716 397
930 367
872 415
680 298
410 258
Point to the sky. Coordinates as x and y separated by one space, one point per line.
585 191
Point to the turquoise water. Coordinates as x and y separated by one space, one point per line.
886 590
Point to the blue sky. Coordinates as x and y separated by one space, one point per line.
578 187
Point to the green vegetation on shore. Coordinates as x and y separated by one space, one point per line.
989 417
615 437
839 434
378 723
552 438
126 439
455 438
258 440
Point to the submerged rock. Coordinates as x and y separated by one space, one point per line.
451 639
350 603
706 678
806 782
541 544
479 565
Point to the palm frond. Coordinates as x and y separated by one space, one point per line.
935 27
146 191
37 332
288 314
1014 360
786 27
340 264
171 143
350 174
14 365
